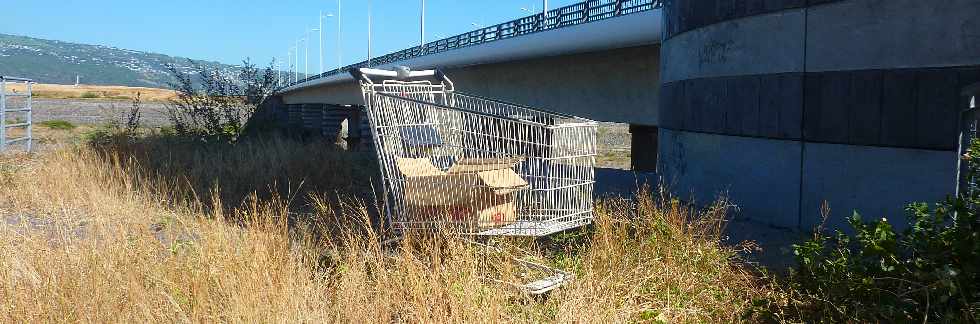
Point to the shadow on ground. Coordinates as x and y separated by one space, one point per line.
775 243
294 170
215 171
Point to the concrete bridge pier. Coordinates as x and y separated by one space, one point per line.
790 104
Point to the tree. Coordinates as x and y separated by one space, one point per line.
217 104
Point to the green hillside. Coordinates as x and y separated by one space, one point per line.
49 61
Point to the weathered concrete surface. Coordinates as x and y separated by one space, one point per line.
870 88
616 86
348 93
770 43
875 181
761 176
619 85
877 34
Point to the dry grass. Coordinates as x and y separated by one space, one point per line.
164 230
61 91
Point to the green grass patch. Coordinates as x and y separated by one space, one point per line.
91 95
58 124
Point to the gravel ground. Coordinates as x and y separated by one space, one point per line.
614 146
96 111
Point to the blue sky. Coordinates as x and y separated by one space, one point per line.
229 30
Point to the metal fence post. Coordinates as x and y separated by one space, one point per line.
30 115
3 113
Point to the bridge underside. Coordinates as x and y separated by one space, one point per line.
618 85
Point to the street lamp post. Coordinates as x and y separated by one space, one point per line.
308 49
306 64
369 33
322 16
296 61
422 24
544 14
339 38
320 20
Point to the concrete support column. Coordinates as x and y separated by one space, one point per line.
790 104
644 147
294 119
354 128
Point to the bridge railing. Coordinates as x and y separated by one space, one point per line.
576 14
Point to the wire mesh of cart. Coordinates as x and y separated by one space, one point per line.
452 161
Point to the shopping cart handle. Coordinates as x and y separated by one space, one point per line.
365 74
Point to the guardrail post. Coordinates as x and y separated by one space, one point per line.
585 12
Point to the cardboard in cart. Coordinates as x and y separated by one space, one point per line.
476 192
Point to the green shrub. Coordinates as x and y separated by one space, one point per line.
929 272
212 105
91 95
58 124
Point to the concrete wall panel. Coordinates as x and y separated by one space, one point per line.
875 181
864 121
771 43
937 112
781 106
890 34
762 176
685 15
755 105
865 90
898 108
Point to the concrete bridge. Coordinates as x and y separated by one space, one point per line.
598 59
785 104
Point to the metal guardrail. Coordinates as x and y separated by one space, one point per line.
6 110
576 14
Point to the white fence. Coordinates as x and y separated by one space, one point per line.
16 126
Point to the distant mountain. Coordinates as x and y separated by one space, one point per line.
50 61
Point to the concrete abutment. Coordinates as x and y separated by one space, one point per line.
786 104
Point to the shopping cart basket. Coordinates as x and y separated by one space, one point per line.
480 166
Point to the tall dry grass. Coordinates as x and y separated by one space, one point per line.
161 230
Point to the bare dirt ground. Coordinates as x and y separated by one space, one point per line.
96 111
614 146
85 92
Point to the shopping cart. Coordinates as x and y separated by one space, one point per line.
476 165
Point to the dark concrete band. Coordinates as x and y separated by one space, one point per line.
907 108
685 15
